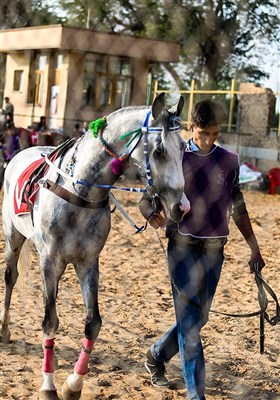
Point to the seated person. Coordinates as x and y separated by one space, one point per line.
9 122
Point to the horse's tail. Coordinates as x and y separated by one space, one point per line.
24 264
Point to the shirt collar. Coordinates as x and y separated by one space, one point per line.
191 146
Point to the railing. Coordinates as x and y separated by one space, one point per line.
231 93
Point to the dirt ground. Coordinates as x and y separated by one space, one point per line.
136 307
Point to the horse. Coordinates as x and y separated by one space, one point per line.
69 220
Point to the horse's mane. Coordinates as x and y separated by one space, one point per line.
126 109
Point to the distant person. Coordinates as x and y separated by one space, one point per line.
42 126
85 127
9 121
8 108
12 144
77 131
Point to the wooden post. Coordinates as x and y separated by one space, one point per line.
155 88
191 100
231 105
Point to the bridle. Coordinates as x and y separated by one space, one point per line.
151 190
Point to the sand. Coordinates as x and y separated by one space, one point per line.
136 308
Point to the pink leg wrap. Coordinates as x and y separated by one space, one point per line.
48 355
81 366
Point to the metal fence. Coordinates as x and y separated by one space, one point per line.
228 97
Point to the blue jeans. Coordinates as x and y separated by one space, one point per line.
195 273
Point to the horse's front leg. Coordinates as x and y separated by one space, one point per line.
14 242
51 272
88 278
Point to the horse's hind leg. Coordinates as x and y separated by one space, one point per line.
14 243
88 277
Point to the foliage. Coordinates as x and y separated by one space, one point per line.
23 13
221 39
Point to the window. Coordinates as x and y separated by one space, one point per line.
36 73
59 61
107 81
38 87
89 84
18 77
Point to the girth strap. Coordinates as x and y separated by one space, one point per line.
70 197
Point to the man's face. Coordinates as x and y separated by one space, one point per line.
204 138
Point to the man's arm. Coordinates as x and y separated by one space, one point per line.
243 223
146 209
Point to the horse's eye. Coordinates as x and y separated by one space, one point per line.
159 151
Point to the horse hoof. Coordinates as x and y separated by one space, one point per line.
5 336
68 394
48 395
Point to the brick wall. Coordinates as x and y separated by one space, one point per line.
256 110
254 140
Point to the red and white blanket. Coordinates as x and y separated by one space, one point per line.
20 196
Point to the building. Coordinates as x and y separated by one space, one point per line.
70 74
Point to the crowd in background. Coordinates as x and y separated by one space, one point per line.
13 139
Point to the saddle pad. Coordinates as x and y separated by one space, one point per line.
20 198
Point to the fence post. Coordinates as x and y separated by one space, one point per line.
191 100
231 105
155 88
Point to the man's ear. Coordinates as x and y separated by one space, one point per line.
191 126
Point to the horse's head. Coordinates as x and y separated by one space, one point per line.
158 159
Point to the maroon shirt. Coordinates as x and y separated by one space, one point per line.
209 182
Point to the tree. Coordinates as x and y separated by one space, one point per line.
23 13
221 39
224 39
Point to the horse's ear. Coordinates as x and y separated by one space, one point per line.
180 106
177 109
158 105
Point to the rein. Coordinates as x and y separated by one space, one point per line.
262 286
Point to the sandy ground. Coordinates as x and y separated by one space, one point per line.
136 307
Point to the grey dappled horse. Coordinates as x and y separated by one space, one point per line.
74 229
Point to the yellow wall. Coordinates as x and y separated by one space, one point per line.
24 112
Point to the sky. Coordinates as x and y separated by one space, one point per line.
274 80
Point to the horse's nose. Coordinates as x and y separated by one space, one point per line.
178 211
185 205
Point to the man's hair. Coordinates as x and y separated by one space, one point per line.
6 98
207 113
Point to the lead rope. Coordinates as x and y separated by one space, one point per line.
124 213
262 298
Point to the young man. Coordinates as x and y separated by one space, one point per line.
196 246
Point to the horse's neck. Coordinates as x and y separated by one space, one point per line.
91 163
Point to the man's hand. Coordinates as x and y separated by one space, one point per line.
256 259
157 221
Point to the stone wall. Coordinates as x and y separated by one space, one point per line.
254 140
256 110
